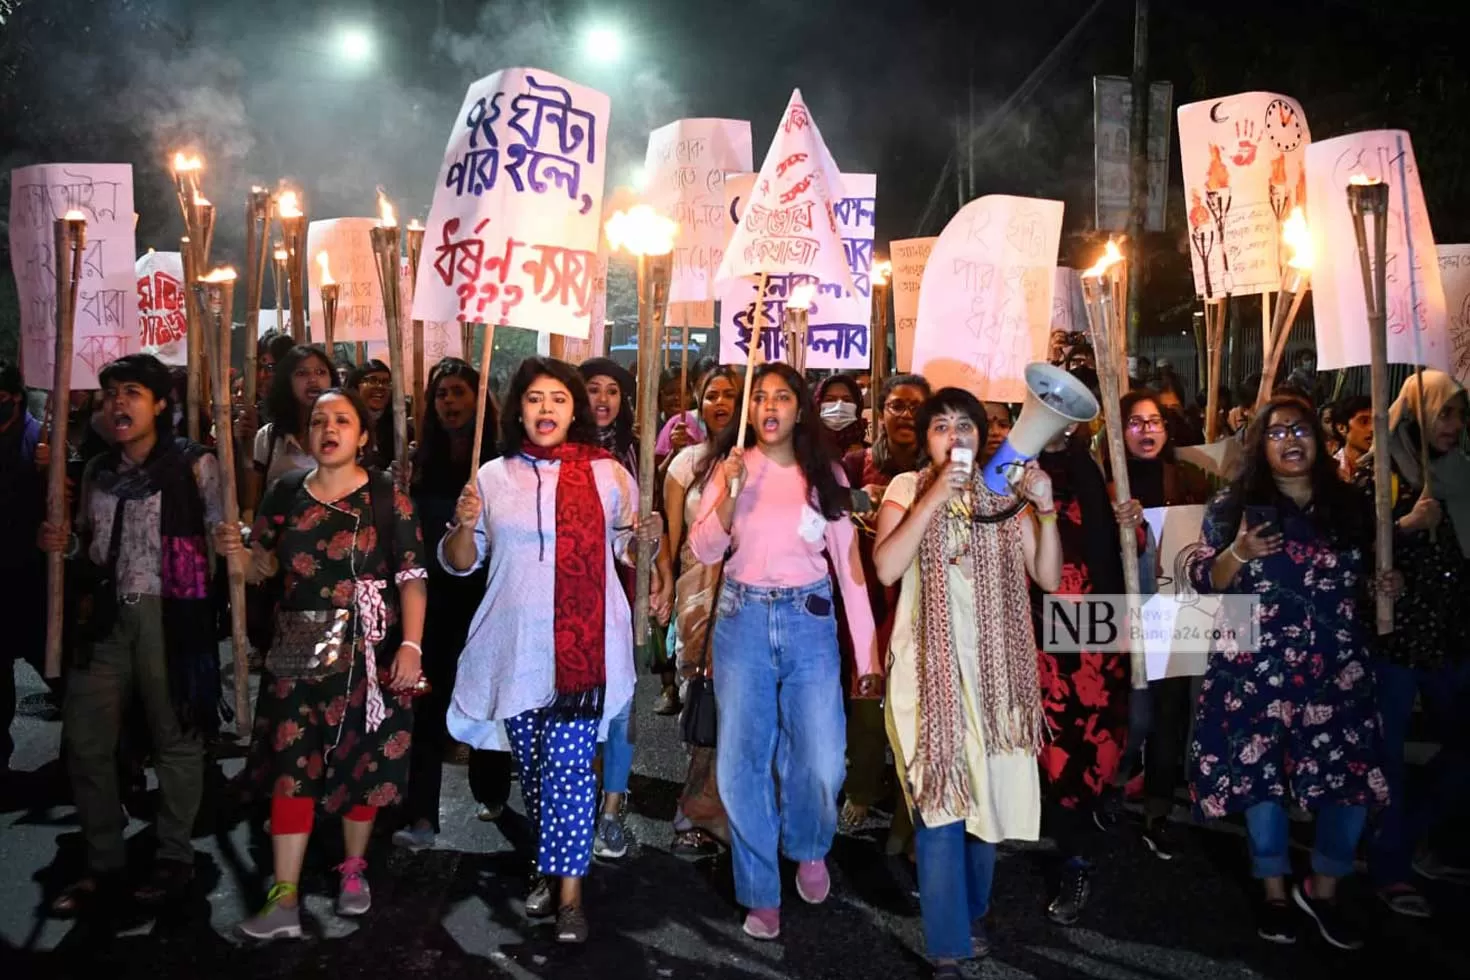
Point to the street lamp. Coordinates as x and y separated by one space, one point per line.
354 44
603 43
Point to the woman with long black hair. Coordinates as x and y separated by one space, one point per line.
374 381
773 499
440 468
303 374
549 658
1291 718
964 706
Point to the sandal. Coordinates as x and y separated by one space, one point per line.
167 879
76 896
696 842
852 817
1407 900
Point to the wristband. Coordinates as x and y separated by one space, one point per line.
73 547
410 643
1236 555
1046 516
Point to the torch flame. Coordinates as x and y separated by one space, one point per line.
881 272
225 274
1296 236
1363 180
641 231
280 254
321 260
386 217
801 296
1111 257
74 215
200 201
415 225
287 206
183 164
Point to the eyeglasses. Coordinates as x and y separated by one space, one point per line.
1153 423
376 383
902 408
1300 430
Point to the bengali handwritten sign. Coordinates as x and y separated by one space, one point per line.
277 320
788 225
1112 111
163 324
909 256
1068 304
1454 275
348 245
1243 172
516 217
985 306
838 319
685 168
1414 297
106 324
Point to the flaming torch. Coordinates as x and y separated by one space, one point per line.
330 293
1105 286
794 324
878 370
293 233
198 215
1294 281
649 237
414 238
1368 196
385 250
71 238
216 296
257 241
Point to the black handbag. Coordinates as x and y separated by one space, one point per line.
97 604
699 720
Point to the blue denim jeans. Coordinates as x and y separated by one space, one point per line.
781 729
1409 816
1338 830
617 754
955 874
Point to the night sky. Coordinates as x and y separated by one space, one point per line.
258 87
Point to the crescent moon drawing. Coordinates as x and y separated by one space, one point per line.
1215 113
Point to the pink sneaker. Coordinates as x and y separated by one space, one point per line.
354 898
763 923
813 883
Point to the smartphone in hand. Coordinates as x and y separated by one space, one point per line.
963 458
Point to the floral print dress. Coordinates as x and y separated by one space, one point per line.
1293 722
311 736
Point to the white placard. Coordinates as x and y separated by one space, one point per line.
1415 300
1242 159
163 322
106 325
513 230
348 245
685 171
789 225
985 309
839 318
909 256
1454 276
1068 305
1175 622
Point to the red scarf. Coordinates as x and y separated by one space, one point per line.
579 621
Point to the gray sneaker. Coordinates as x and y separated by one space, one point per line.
414 838
540 902
612 839
354 898
275 921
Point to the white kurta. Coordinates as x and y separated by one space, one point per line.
508 665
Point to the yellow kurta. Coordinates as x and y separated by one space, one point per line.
1005 789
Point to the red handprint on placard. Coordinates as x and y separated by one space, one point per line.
1245 154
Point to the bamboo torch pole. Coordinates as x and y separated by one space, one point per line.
414 238
70 240
293 236
385 249
487 352
878 370
1215 315
752 361
1105 286
257 242
216 295
1367 197
279 258
1294 279
331 293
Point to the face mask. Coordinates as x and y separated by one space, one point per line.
839 415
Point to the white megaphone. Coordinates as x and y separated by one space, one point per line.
1054 400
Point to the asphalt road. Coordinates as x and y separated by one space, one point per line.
455 911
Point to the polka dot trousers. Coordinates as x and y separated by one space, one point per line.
559 787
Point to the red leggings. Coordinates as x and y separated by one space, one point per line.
294 814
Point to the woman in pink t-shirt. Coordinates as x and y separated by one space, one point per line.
775 503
